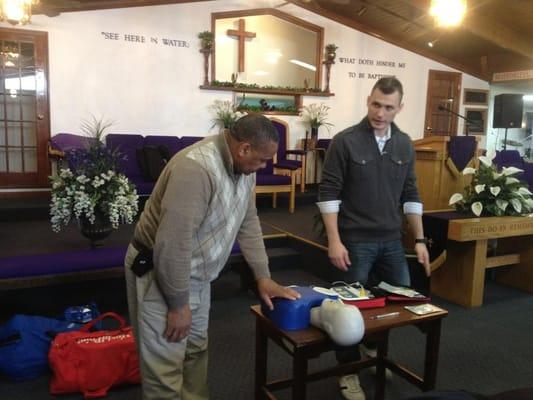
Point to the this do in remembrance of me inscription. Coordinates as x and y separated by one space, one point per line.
502 227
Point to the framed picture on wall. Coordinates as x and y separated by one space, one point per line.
476 97
477 121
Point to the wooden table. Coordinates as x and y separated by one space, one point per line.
461 279
305 344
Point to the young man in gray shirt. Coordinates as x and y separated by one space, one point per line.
368 177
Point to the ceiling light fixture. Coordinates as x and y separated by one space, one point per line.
448 13
433 42
16 12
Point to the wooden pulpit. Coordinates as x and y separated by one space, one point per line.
437 175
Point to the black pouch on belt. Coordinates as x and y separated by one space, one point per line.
143 263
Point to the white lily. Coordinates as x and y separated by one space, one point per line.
469 171
477 208
496 175
524 190
511 180
511 170
495 190
479 188
487 159
517 205
502 204
456 197
529 203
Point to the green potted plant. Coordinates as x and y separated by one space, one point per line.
315 115
91 189
225 114
493 192
331 51
206 40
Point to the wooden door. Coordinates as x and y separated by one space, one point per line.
444 89
24 117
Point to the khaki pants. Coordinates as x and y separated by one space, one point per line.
175 371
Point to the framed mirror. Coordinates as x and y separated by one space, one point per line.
266 47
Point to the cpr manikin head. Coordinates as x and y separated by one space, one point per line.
343 323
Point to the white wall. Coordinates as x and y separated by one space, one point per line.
151 88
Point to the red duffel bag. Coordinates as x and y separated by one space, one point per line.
92 362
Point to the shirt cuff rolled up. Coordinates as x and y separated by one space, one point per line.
329 207
412 207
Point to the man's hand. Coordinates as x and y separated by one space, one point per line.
267 289
338 255
178 324
423 257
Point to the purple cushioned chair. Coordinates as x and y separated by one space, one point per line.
323 144
190 140
509 158
512 158
63 143
172 143
68 141
528 174
269 182
127 145
283 165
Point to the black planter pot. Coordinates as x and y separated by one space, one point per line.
97 231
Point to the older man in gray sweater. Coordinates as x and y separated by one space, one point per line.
202 202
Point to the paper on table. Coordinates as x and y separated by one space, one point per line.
402 291
423 309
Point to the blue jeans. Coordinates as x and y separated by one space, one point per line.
382 261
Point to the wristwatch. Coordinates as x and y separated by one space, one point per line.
423 240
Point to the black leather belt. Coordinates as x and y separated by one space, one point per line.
139 246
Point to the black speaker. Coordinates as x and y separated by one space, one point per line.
508 110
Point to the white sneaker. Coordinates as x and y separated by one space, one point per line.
350 387
373 353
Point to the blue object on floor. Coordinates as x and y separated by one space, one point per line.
24 344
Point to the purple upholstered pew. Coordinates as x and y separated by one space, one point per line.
39 269
59 263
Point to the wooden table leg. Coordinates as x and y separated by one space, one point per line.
261 342
432 354
383 348
299 374
461 279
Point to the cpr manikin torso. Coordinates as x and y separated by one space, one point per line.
343 323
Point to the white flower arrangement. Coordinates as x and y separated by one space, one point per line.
315 115
91 186
493 192
225 114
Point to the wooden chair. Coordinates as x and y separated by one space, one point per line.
284 166
269 182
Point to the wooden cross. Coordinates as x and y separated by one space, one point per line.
241 35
